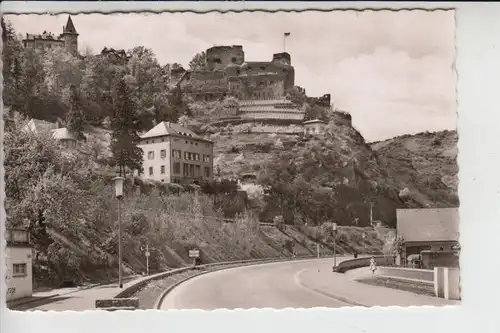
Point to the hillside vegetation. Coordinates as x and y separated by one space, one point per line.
425 163
301 183
338 176
68 204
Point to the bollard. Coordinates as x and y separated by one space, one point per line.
439 281
451 277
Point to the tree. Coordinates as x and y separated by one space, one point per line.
42 185
198 62
316 112
14 94
124 139
75 114
393 245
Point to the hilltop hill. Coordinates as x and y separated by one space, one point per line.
410 171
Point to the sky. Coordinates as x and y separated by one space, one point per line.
392 71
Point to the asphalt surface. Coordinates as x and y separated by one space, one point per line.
276 285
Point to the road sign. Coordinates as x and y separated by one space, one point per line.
194 253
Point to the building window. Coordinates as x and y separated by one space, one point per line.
162 140
162 180
177 168
206 158
163 153
152 141
207 171
150 171
233 59
190 156
176 153
198 171
147 141
19 270
162 169
151 155
191 170
186 154
185 169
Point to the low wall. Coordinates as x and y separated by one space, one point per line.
129 291
349 264
421 275
117 304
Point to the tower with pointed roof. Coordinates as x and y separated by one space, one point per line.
70 37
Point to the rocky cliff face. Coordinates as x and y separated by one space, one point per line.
412 171
425 164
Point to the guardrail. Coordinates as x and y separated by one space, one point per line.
129 291
349 264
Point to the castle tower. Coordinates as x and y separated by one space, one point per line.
282 58
70 37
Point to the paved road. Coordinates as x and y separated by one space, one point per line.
275 285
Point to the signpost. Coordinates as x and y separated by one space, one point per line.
195 254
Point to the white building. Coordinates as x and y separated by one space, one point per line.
61 134
18 257
174 154
315 126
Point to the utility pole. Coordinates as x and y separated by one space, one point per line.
371 213
120 278
147 259
334 244
317 250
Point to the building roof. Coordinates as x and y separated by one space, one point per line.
166 128
40 126
62 134
69 27
428 224
314 121
252 102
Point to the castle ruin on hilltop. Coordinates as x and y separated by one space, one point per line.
68 39
260 87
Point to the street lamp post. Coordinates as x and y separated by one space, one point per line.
334 229
364 240
119 195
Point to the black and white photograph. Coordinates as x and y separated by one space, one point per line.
234 160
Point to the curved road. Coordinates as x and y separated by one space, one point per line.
275 285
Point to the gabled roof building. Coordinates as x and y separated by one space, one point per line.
175 154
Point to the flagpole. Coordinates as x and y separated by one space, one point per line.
285 35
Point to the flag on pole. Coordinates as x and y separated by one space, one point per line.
287 34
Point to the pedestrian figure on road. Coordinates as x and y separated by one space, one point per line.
373 265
